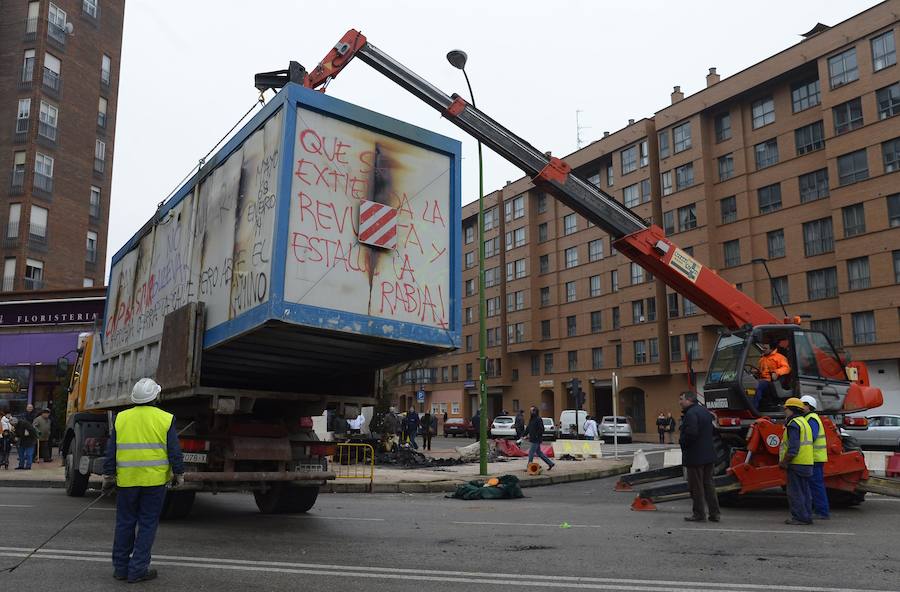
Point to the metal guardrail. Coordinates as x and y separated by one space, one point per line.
355 461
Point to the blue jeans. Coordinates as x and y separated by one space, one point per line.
817 490
138 507
26 456
535 450
762 387
799 497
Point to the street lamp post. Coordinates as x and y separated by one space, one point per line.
457 59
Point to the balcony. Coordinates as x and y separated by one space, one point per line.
90 257
43 183
27 76
94 211
101 120
52 82
9 284
99 166
33 283
105 76
22 126
17 183
31 29
56 35
47 131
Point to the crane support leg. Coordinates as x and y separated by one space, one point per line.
647 499
627 482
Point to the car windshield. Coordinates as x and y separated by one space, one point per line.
610 419
548 421
724 365
503 420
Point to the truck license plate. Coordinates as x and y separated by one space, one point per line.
194 457
717 404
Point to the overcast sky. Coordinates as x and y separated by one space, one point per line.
187 69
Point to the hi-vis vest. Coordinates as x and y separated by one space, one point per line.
820 446
805 453
141 456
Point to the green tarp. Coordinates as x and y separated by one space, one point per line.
507 489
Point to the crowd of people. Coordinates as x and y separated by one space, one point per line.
30 433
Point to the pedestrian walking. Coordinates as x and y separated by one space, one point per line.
670 427
142 456
698 456
476 425
797 458
535 434
519 424
5 438
590 428
26 438
426 431
412 427
817 491
42 425
661 424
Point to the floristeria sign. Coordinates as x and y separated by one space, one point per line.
51 312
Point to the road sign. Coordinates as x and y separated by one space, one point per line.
420 396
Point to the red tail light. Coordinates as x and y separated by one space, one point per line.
729 421
192 445
306 423
856 422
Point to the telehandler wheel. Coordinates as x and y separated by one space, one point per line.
722 462
178 504
76 483
286 498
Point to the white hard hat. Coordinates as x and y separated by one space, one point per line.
810 400
145 390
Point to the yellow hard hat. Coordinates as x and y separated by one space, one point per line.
794 402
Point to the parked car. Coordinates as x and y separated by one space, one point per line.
502 427
571 423
615 425
883 432
458 426
550 431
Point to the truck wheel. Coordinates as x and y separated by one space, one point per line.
76 483
840 497
285 498
178 505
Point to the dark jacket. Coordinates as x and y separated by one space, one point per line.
661 424
426 422
696 438
26 434
535 429
519 425
412 422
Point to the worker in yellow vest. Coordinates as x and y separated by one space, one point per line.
820 457
142 456
796 457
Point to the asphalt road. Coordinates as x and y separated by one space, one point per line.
402 542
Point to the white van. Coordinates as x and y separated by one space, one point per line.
571 423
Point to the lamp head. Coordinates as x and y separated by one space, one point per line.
457 58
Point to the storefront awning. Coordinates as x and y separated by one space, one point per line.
36 348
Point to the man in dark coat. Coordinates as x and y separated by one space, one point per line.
519 424
412 427
26 439
698 456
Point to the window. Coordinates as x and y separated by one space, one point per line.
651 309
769 198
56 24
644 151
515 301
541 203
18 172
653 344
548 363
631 196
597 318
852 167
571 257
842 68
854 220
728 209
515 333
763 112
810 138
831 328
614 280
491 219
105 69
684 176
637 312
595 286
766 154
821 283
847 116
629 159
616 318
595 250
89 283
545 296
544 262
469 318
571 326
515 208
515 238
666 181
32 21
775 242
645 190
89 7
663 144
673 305
609 175
726 167
100 156
34 274
858 273
640 352
454 373
570 224
884 53
470 287
535 365
51 71
493 337
675 348
101 112
37 227
468 371
470 234
618 355
491 277
470 259
893 202
818 237
814 185
28 66
571 292
468 343
732 250
637 274
681 137
15 216
896 255
890 152
780 291
669 222
543 233
690 308
723 126
687 217
692 345
863 327
545 329
48 119
43 172
23 114
596 358
515 270
805 95
573 360
888 100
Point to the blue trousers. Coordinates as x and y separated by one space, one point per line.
817 490
535 450
762 387
137 508
26 456
799 496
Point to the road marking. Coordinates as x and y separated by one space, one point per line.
309 517
742 531
526 524
14 506
388 573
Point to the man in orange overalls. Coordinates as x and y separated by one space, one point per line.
772 366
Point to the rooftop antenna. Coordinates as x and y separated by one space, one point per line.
579 127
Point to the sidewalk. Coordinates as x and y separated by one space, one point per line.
387 479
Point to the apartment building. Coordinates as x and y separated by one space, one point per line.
791 161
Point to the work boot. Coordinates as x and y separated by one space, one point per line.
795 522
119 576
694 519
715 518
822 517
150 574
